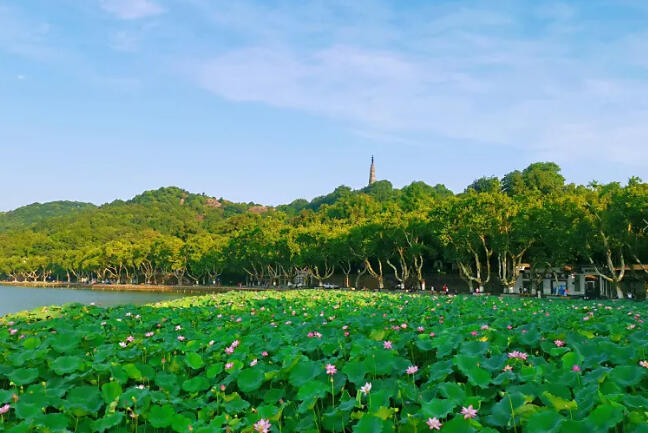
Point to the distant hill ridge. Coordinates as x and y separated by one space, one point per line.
37 212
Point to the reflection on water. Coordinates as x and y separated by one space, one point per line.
17 298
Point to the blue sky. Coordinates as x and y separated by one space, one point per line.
269 101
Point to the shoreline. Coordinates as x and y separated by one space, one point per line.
136 287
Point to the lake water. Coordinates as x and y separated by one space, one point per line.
16 298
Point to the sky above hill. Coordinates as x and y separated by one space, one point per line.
269 101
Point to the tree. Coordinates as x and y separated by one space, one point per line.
544 177
486 184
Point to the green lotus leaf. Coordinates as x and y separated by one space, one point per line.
107 422
437 408
180 423
312 390
546 421
235 404
65 342
31 343
304 371
452 392
132 371
28 410
627 375
355 371
214 369
111 391
66 364
250 379
161 416
369 424
54 422
458 425
194 360
195 384
23 376
474 348
603 418
84 400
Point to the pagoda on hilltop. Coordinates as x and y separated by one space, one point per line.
372 172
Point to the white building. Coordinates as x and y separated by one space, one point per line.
562 281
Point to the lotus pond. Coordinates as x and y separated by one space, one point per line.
315 361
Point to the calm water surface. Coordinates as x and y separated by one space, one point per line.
15 298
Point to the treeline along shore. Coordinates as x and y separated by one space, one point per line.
529 222
197 289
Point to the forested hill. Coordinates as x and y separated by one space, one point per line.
486 233
34 213
169 210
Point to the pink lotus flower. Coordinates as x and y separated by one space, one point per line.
229 350
644 363
509 327
177 328
330 369
518 355
262 426
122 344
235 343
13 331
211 342
366 388
130 338
432 334
420 329
229 365
387 344
473 333
310 335
149 334
507 368
346 333
264 353
254 362
222 387
412 369
181 338
4 409
468 412
559 343
434 423
576 368
484 327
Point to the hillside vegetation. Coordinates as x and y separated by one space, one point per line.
378 234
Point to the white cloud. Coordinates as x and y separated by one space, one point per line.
131 9
459 75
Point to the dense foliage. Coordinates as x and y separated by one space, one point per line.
330 362
377 236
32 214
